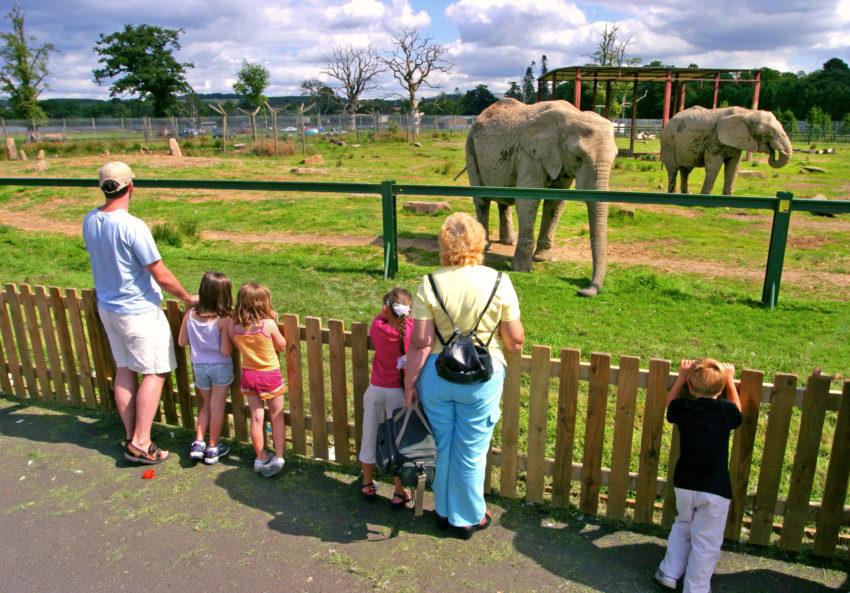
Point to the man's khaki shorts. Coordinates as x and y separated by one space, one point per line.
140 342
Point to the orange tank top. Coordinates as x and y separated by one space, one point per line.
256 347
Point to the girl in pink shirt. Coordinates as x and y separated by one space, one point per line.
390 334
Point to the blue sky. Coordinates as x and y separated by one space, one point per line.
489 41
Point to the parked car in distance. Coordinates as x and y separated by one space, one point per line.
311 132
290 130
216 133
191 132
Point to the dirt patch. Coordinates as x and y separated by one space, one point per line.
807 242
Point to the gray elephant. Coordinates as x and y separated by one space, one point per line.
699 137
543 145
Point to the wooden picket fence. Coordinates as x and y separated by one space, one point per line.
54 348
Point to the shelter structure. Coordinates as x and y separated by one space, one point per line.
675 83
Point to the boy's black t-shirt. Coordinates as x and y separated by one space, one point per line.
704 428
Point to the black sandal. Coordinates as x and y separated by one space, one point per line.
152 456
369 491
466 531
402 498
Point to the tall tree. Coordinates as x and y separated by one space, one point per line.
529 92
251 81
356 69
24 67
477 100
323 96
544 68
142 59
415 58
514 91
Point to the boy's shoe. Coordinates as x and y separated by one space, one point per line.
260 465
213 454
272 467
664 580
196 451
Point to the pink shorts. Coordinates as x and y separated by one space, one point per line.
263 384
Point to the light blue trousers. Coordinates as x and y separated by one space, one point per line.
462 419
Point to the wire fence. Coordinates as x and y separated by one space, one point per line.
290 125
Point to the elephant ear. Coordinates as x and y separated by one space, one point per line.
734 130
542 141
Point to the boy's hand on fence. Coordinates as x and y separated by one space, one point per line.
728 372
684 366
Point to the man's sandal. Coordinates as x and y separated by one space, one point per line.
150 457
369 491
400 499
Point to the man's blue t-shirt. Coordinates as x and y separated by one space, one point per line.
121 247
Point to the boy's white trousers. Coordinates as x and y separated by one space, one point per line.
693 547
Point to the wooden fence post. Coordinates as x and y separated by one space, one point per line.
624 423
594 435
742 450
44 390
772 457
101 353
668 510
58 305
805 461
538 407
359 374
10 350
650 446
339 391
292 334
831 514
510 424
184 395
72 304
565 427
316 379
48 331
21 334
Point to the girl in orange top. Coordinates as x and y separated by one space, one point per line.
256 335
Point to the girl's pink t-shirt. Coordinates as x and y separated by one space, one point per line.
385 339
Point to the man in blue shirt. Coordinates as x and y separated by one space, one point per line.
128 276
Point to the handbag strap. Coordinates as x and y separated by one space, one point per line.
480 317
407 412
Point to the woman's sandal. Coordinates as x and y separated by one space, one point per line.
150 457
369 491
400 500
466 531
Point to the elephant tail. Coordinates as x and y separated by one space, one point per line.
462 171
472 159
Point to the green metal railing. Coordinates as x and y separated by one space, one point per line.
782 205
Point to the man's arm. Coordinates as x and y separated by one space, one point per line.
170 283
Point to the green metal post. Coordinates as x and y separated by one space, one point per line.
388 210
776 251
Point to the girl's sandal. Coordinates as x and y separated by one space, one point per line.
150 457
400 500
369 491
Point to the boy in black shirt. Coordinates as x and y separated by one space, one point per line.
701 479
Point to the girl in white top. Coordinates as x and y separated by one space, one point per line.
212 365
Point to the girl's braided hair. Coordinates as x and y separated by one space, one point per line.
399 296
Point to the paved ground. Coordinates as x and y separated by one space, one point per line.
75 517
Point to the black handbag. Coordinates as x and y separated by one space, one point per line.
465 359
406 448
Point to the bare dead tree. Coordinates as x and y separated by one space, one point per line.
611 52
415 58
355 68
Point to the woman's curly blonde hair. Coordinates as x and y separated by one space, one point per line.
462 241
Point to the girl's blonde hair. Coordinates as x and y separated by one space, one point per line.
253 304
462 241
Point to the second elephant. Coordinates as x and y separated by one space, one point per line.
545 145
711 138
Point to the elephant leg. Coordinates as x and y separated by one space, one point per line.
683 175
526 215
597 216
506 225
730 172
712 168
552 211
671 180
482 213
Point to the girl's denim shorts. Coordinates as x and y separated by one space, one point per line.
208 374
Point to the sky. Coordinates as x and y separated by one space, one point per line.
488 41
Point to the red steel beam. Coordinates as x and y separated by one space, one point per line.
667 88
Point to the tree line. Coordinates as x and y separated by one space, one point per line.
146 79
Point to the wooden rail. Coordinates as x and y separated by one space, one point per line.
590 434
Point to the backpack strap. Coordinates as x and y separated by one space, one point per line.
443 307
407 412
480 317
487 306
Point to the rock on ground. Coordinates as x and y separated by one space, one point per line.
11 150
307 171
316 159
40 154
427 207
174 148
812 169
22 154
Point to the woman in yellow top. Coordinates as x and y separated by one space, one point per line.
462 416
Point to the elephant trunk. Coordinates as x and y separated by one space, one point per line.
597 218
778 161
780 151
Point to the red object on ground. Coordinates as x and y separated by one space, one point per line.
149 474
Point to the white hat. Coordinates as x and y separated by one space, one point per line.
115 176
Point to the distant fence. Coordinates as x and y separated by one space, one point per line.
54 349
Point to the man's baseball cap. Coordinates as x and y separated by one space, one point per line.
114 177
